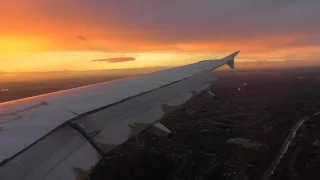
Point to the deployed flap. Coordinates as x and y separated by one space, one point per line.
159 129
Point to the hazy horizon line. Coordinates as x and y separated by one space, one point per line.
151 67
259 62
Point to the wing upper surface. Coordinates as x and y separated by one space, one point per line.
108 113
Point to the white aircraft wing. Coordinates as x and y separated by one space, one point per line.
63 135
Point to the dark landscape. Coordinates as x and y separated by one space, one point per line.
237 136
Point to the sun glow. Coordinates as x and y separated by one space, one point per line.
59 35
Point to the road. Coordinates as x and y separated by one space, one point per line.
268 174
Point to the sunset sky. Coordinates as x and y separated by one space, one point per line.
78 35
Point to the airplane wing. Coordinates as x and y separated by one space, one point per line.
63 135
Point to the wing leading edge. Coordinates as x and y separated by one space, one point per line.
64 135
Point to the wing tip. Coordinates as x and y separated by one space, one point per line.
234 54
230 59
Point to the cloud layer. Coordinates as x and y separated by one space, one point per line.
167 25
115 60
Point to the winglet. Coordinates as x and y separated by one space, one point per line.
230 59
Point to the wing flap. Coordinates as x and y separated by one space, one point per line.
22 127
63 154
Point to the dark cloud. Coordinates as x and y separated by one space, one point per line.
82 38
305 41
115 60
181 21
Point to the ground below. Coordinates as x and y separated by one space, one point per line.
235 137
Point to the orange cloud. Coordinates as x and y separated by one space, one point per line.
115 60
